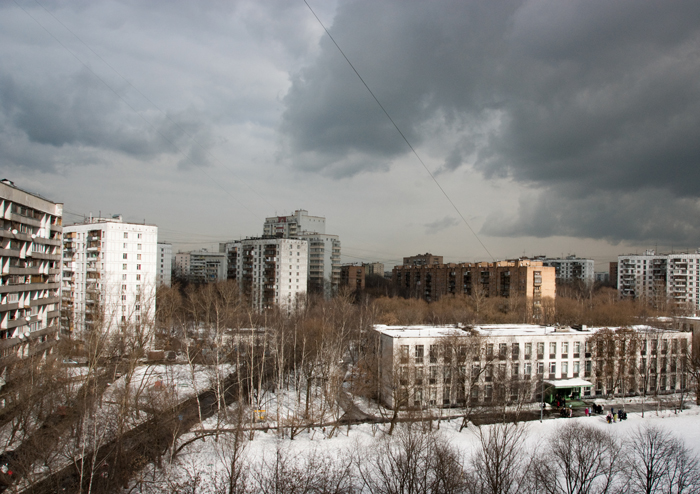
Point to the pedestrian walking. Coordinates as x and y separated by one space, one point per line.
586 412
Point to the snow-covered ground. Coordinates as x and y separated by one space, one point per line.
208 458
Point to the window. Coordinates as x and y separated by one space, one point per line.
404 354
552 369
527 370
502 350
516 370
515 353
123 266
433 354
138 277
138 257
419 354
540 367
564 350
540 350
577 368
489 350
125 246
564 369
577 349
123 287
138 246
123 277
126 235
553 349
528 351
138 266
124 255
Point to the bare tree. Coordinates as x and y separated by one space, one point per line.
500 465
578 459
413 460
660 462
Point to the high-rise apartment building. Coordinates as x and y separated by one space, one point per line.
30 257
324 249
164 264
294 225
663 276
571 268
374 268
269 271
109 274
352 276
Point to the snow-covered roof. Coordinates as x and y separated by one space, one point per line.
495 330
419 331
575 382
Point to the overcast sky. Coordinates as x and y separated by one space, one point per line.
554 127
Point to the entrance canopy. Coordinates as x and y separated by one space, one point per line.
569 383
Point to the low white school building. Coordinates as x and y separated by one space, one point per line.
489 364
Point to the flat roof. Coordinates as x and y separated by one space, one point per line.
419 331
495 330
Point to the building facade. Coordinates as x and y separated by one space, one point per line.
207 267
270 271
518 278
294 225
30 270
352 276
374 268
324 249
571 268
109 274
165 264
501 364
658 278
426 259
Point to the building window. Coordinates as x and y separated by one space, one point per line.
138 257
123 266
419 354
124 256
139 235
564 369
126 235
138 266
553 349
138 277
123 277
138 246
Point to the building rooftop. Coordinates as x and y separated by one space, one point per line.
494 330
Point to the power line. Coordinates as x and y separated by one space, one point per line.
398 130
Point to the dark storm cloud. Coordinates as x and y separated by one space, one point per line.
594 102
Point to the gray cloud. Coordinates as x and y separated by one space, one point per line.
593 99
440 225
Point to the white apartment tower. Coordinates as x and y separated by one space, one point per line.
165 264
269 271
324 249
109 274
30 257
571 268
293 225
651 276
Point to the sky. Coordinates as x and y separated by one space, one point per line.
517 128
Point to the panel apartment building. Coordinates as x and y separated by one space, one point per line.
516 278
109 274
30 257
665 276
324 249
270 271
571 268
495 364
